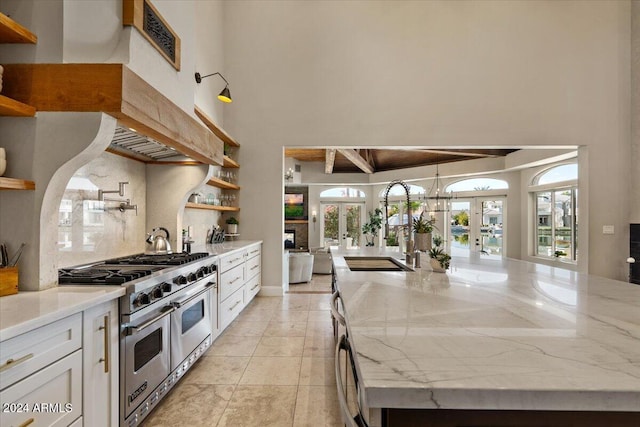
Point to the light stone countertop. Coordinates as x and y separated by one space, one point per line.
29 310
492 334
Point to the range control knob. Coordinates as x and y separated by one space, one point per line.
212 268
192 277
180 280
156 292
166 287
141 299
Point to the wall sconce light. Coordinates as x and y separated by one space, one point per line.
288 176
225 95
314 215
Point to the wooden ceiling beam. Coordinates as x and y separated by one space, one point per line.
354 157
329 160
457 153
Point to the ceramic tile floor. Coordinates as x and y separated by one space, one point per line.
273 366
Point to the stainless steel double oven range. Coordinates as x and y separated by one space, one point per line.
165 320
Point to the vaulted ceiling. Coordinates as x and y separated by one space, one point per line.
350 160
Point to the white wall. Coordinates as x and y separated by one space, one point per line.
431 73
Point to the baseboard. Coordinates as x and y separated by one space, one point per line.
270 291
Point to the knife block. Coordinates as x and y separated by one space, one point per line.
8 281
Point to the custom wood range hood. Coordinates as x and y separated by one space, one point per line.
115 90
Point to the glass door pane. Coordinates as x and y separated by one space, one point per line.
353 223
563 224
491 230
330 223
459 231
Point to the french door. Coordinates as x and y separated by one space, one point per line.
477 224
341 223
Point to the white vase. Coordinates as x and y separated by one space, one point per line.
435 265
232 228
423 241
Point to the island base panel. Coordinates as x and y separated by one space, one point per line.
485 418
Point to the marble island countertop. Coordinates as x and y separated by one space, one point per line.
492 334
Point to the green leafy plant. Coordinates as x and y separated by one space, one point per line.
437 240
232 220
443 258
373 226
422 225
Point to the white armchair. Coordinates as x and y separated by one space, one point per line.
322 261
300 267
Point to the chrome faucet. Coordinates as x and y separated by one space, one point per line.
410 253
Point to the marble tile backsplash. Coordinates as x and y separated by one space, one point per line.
90 230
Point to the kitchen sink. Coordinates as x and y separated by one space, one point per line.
373 263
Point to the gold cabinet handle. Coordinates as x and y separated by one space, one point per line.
235 280
234 305
10 363
255 286
28 422
105 359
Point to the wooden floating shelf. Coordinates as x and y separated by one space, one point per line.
217 182
16 184
12 32
296 221
11 107
212 207
218 131
230 163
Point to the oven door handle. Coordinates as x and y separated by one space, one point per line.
179 304
166 311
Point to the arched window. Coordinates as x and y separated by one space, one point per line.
562 173
340 192
555 195
397 190
477 184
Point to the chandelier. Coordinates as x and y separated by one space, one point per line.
435 199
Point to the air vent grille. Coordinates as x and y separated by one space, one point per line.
139 146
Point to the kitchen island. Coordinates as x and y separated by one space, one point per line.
491 342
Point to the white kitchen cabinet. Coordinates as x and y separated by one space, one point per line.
100 365
253 270
231 281
51 396
31 351
231 307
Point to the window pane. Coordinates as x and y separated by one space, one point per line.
543 224
342 192
477 184
330 213
354 215
563 235
559 174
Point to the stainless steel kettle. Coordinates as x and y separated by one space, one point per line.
158 244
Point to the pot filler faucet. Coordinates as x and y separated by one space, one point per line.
125 205
410 255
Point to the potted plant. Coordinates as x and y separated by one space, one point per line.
439 259
422 229
370 229
232 225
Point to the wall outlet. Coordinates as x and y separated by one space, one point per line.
608 229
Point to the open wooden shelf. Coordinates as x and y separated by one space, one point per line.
16 184
217 182
230 163
12 32
11 107
212 207
296 221
218 131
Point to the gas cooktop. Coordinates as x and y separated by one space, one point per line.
158 259
104 275
125 269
